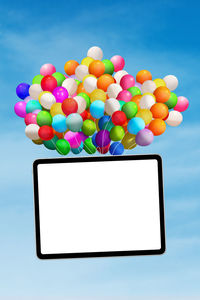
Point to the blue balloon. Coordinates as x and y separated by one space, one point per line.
135 125
93 140
116 148
32 105
97 109
77 150
103 120
59 123
22 90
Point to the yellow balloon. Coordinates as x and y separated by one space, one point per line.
42 93
37 142
98 94
149 94
56 109
86 76
145 114
128 141
87 61
97 124
159 82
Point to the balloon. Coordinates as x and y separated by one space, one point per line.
109 67
95 53
47 99
89 127
89 146
102 138
147 101
148 87
22 90
143 76
34 91
134 91
37 79
128 141
30 118
70 85
70 67
74 138
130 109
159 82
98 94
32 105
90 84
32 131
117 133
175 118
81 104
104 81
145 114
56 109
111 105
51 144
116 148
96 68
171 82
103 150
46 133
144 137
48 83
182 104
47 69
77 150
135 124
81 71
159 110
60 93
157 126
74 122
124 96
87 61
97 109
113 90
172 101
119 118
103 120
59 123
118 62
63 146
87 99
44 118
162 94
20 109
127 81
136 99
118 75
69 106
59 78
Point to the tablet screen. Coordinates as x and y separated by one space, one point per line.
99 206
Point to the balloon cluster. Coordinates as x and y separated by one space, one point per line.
97 106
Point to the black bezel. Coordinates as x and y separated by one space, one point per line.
98 159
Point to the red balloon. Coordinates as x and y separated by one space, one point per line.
84 115
69 106
46 133
48 83
103 150
119 118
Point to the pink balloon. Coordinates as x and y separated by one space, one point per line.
47 69
60 93
20 109
118 62
127 81
124 96
74 138
182 104
30 119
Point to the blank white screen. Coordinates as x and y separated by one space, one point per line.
99 206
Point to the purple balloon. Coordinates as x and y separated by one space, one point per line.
60 93
20 109
28 98
103 138
144 137
83 136
36 111
73 76
137 84
22 90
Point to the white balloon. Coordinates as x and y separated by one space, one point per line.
47 100
95 52
81 71
90 84
70 85
175 118
34 91
148 86
147 101
113 90
171 82
81 104
118 75
111 105
31 131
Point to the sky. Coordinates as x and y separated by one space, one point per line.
161 36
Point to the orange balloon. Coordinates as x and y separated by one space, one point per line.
136 99
60 135
157 126
70 67
162 94
90 117
81 89
96 68
159 110
104 81
143 75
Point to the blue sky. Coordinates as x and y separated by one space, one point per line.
161 36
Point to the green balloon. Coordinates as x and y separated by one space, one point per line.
121 103
51 144
89 147
130 109
37 79
59 78
109 67
134 90
63 146
89 127
117 133
44 118
87 99
108 125
172 101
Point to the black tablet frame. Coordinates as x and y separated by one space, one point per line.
98 159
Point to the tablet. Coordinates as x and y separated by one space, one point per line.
99 206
